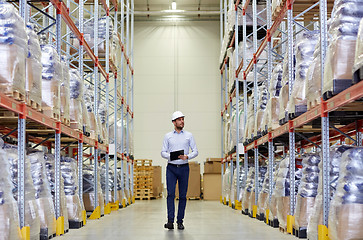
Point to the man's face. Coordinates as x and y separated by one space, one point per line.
179 123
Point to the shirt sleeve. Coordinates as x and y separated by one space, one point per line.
193 147
164 151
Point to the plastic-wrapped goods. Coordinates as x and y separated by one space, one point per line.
234 128
64 90
43 196
335 156
304 51
227 126
89 191
121 193
110 183
358 60
33 80
261 177
13 49
272 205
341 50
70 178
242 182
9 215
31 209
102 113
226 183
263 197
284 92
313 80
273 106
50 171
89 97
308 190
247 195
346 207
261 110
250 118
76 99
52 76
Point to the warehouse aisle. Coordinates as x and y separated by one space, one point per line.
205 220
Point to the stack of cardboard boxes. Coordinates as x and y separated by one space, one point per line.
212 182
194 185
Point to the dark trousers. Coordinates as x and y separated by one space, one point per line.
174 174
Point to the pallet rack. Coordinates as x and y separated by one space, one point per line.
292 132
42 130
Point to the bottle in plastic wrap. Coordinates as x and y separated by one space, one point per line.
64 92
13 51
52 76
43 196
346 206
33 80
76 98
50 172
31 210
74 205
9 215
308 190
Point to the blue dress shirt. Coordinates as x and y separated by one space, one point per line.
174 141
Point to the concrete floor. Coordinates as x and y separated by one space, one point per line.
204 220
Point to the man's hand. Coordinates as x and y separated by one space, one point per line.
183 157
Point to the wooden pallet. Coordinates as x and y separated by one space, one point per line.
313 103
15 94
76 126
34 105
143 194
283 230
65 121
143 162
49 111
7 113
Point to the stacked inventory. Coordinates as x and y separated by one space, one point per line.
143 179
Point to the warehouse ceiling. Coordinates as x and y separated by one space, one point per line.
185 10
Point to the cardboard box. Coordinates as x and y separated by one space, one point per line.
212 186
194 185
212 167
157 186
304 209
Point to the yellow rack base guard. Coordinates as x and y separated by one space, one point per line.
238 205
267 215
225 201
290 222
221 199
108 208
123 203
60 226
84 217
323 232
254 211
229 203
115 206
25 233
129 200
133 199
96 213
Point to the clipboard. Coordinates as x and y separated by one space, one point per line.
174 155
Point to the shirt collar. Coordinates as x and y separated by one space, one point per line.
182 131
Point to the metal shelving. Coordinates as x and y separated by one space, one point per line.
93 69
286 21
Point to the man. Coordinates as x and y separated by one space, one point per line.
177 170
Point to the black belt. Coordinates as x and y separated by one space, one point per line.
178 165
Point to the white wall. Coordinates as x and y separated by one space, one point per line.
176 68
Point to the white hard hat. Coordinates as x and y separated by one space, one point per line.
177 115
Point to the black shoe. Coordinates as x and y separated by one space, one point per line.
180 226
169 225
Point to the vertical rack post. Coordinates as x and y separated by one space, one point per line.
324 122
115 108
132 95
222 90
290 50
245 105
122 98
80 171
255 86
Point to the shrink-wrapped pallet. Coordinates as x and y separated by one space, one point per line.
234 128
346 206
76 98
33 80
247 194
335 156
9 215
13 51
89 199
263 197
120 188
65 92
313 80
50 171
250 118
31 210
70 177
110 183
102 113
262 101
272 205
341 50
358 60
242 184
308 191
43 196
89 98
52 76
304 51
273 106
284 92
261 177
226 184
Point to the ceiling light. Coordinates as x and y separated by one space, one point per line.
173 5
173 11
